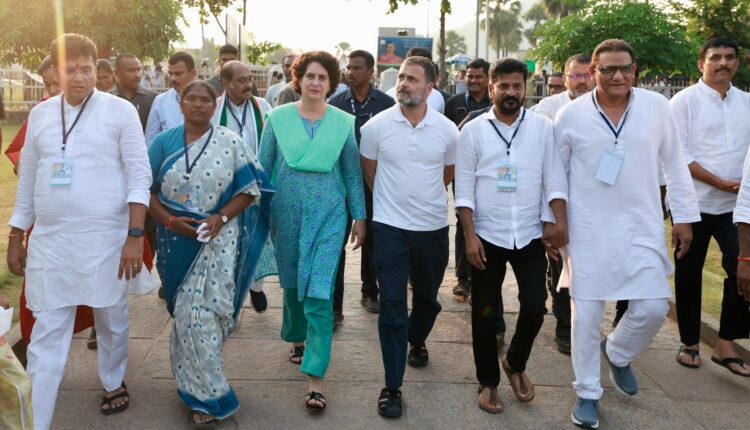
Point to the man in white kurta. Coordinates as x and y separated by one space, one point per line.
87 203
617 248
240 111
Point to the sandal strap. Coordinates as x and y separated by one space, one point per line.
693 353
730 360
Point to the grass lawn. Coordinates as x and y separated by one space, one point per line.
10 284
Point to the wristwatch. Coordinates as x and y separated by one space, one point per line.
135 232
224 218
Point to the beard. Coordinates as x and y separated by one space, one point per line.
411 100
580 90
505 109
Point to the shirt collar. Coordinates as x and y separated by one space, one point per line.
371 94
490 114
428 120
594 100
712 92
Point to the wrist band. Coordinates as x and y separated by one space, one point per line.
743 258
169 222
16 236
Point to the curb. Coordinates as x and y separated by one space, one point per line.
710 331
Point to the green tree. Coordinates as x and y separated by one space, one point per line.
342 49
536 15
454 43
505 34
562 8
143 27
657 37
725 18
258 52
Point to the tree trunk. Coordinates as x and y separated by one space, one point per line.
441 52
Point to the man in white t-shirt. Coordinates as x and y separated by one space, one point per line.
408 156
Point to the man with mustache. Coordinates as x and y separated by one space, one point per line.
578 81
128 73
555 84
238 110
364 102
712 120
612 142
408 154
511 194
165 112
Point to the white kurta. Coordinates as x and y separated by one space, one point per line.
617 246
549 106
74 250
249 133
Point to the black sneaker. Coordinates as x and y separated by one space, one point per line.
563 345
389 403
370 304
462 290
418 356
258 300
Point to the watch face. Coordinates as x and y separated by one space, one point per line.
135 232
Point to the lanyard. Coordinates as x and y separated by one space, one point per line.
65 134
608 122
244 115
509 142
354 111
189 166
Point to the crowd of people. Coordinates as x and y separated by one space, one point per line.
226 188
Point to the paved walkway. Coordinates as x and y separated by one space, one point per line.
440 396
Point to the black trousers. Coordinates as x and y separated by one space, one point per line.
400 255
530 267
735 311
560 300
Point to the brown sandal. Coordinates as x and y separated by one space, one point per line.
493 399
511 373
109 400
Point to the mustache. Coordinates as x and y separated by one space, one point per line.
725 69
510 99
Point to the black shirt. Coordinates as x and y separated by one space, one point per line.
142 100
376 102
473 115
459 105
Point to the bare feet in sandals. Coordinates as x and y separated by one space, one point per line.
520 382
296 353
315 398
489 401
725 354
199 418
688 356
115 401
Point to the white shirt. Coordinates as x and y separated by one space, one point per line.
165 114
617 247
715 133
273 91
742 210
74 251
435 100
249 133
549 106
409 189
509 219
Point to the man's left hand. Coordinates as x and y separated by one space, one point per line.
131 258
682 236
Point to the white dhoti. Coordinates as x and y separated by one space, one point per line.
633 334
50 345
257 286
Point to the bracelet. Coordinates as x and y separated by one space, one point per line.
16 236
743 258
169 222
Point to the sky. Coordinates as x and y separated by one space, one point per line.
322 24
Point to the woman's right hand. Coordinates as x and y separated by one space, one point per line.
182 225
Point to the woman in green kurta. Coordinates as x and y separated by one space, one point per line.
310 150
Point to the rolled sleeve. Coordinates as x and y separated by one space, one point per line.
135 157
683 202
466 169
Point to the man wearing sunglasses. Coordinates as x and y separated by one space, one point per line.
612 142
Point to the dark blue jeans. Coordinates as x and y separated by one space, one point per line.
397 254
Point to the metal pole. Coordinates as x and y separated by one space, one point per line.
487 30
476 39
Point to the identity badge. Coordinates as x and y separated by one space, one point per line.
62 176
186 196
507 177
609 166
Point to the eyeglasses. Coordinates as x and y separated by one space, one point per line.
577 76
84 71
625 69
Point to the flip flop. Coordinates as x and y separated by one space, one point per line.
210 424
509 372
493 399
693 353
317 397
725 362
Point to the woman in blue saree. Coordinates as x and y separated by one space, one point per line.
212 201
310 151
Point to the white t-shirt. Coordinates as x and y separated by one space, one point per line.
435 100
549 106
409 190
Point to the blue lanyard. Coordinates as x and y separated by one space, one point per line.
189 166
608 122
508 143
244 114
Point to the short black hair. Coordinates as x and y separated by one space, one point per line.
429 67
184 57
46 65
369 59
419 52
612 45
506 66
577 58
718 42
479 63
103 65
75 45
229 49
555 75
123 56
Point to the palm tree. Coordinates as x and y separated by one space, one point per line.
454 43
505 33
342 49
